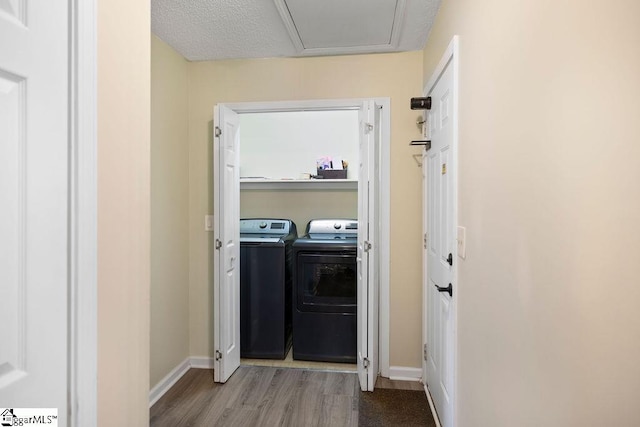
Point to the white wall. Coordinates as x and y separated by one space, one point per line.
123 211
169 211
549 319
301 206
351 76
287 144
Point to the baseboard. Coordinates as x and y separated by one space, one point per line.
433 408
176 373
201 362
403 373
168 381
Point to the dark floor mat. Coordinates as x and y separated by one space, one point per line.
389 407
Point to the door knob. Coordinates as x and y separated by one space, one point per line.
448 289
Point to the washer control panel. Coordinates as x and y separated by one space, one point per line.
265 226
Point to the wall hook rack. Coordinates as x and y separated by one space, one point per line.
418 157
425 143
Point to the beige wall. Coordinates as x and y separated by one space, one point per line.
301 206
549 325
169 211
123 212
389 75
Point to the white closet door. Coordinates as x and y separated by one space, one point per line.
367 263
226 186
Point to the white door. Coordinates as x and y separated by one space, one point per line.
440 246
226 283
34 179
367 262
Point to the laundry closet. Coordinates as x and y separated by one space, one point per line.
298 302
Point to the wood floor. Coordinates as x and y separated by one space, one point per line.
263 396
289 362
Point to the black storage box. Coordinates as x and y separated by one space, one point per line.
332 173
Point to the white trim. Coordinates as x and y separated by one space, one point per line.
283 10
168 381
455 58
385 236
405 373
425 293
201 362
385 170
300 105
433 408
451 55
82 350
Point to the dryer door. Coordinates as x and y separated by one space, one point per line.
326 282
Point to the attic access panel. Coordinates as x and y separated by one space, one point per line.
332 27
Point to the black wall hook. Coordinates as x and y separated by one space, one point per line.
421 103
426 144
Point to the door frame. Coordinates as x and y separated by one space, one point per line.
384 192
450 56
82 295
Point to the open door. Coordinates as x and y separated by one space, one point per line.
439 284
226 282
36 221
368 246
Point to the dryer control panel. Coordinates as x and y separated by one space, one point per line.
333 226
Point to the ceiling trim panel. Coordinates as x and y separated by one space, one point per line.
393 44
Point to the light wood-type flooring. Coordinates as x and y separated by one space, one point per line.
289 362
264 396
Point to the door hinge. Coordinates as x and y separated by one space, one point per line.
218 355
367 246
424 240
218 244
424 352
368 127
218 131
365 363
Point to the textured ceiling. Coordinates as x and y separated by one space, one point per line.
222 29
